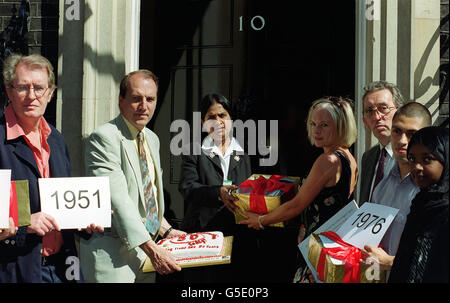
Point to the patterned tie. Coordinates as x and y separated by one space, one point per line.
151 223
380 169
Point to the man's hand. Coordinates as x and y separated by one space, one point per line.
165 226
175 233
92 229
371 254
163 262
41 224
11 231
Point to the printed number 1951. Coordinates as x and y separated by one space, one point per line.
71 199
365 219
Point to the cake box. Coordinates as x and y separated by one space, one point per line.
198 245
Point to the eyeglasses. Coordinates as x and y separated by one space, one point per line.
39 91
383 110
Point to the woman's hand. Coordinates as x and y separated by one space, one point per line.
11 231
252 221
309 278
227 198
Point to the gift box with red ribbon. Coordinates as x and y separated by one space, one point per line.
340 263
263 193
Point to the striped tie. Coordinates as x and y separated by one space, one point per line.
151 223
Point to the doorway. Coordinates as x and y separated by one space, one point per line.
270 58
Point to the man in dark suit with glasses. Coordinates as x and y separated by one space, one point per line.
380 102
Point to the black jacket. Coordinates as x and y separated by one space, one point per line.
21 261
200 182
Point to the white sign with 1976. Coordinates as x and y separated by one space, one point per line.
367 225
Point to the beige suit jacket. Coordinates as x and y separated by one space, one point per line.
115 256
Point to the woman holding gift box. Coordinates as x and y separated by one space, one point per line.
207 177
330 183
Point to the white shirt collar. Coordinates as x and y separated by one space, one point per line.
395 171
209 147
388 148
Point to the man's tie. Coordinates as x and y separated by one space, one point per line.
151 223
380 169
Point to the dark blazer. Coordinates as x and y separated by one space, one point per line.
20 257
368 164
201 179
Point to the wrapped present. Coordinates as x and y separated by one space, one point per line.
19 203
340 263
263 193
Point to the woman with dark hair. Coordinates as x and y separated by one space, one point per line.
206 181
423 253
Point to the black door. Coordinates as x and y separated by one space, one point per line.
271 58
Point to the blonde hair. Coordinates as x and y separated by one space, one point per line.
33 61
341 111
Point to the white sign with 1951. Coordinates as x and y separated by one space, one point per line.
76 202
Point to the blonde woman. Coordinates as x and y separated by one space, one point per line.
330 184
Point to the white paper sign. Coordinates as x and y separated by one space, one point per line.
76 202
5 187
367 225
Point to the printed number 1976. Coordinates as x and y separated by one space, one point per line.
365 219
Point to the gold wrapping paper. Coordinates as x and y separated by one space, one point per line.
271 202
334 273
23 202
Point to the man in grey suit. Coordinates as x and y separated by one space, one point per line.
128 153
380 102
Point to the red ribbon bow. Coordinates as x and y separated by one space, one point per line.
350 254
13 207
261 186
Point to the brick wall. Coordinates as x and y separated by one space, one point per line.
42 32
42 24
